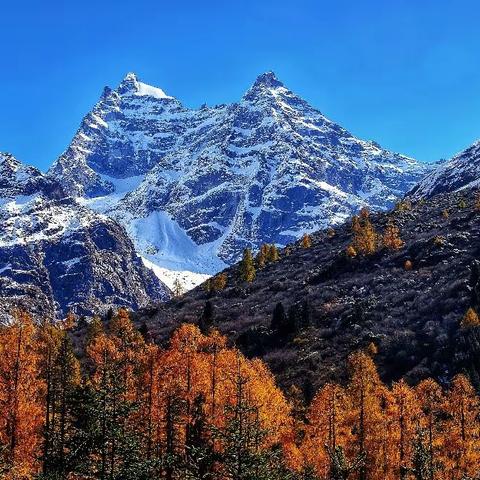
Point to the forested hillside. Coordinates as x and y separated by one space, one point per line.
401 282
117 406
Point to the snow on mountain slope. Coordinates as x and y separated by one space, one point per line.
460 172
56 255
194 187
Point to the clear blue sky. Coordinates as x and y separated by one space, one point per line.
403 73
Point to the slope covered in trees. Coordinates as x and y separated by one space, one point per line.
401 282
117 406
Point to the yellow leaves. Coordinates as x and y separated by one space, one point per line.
364 236
391 238
306 241
470 319
350 251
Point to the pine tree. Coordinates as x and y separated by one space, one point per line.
177 289
280 322
247 268
206 319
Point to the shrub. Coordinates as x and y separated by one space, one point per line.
403 206
408 265
438 240
445 214
462 203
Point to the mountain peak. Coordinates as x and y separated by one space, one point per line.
7 160
268 80
132 85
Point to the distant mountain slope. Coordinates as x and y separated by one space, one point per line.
412 316
56 255
194 187
460 172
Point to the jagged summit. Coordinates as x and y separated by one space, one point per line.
268 80
132 85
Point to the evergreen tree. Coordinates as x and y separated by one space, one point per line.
177 289
247 268
206 319
282 324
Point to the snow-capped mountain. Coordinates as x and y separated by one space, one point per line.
57 255
194 187
461 171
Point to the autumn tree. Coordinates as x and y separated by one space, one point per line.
391 237
20 397
262 255
405 414
461 445
430 398
247 268
364 391
327 430
272 253
306 241
364 236
470 319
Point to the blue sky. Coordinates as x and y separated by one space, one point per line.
403 73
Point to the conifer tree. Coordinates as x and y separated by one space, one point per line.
280 322
262 255
272 254
247 268
391 238
470 319
306 241
177 289
364 235
206 319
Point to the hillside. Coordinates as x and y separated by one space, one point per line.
412 316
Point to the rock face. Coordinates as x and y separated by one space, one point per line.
460 172
194 187
57 255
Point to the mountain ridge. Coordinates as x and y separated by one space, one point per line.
264 169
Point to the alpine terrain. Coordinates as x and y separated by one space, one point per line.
193 187
460 172
56 255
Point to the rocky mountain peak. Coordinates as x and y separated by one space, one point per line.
268 80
